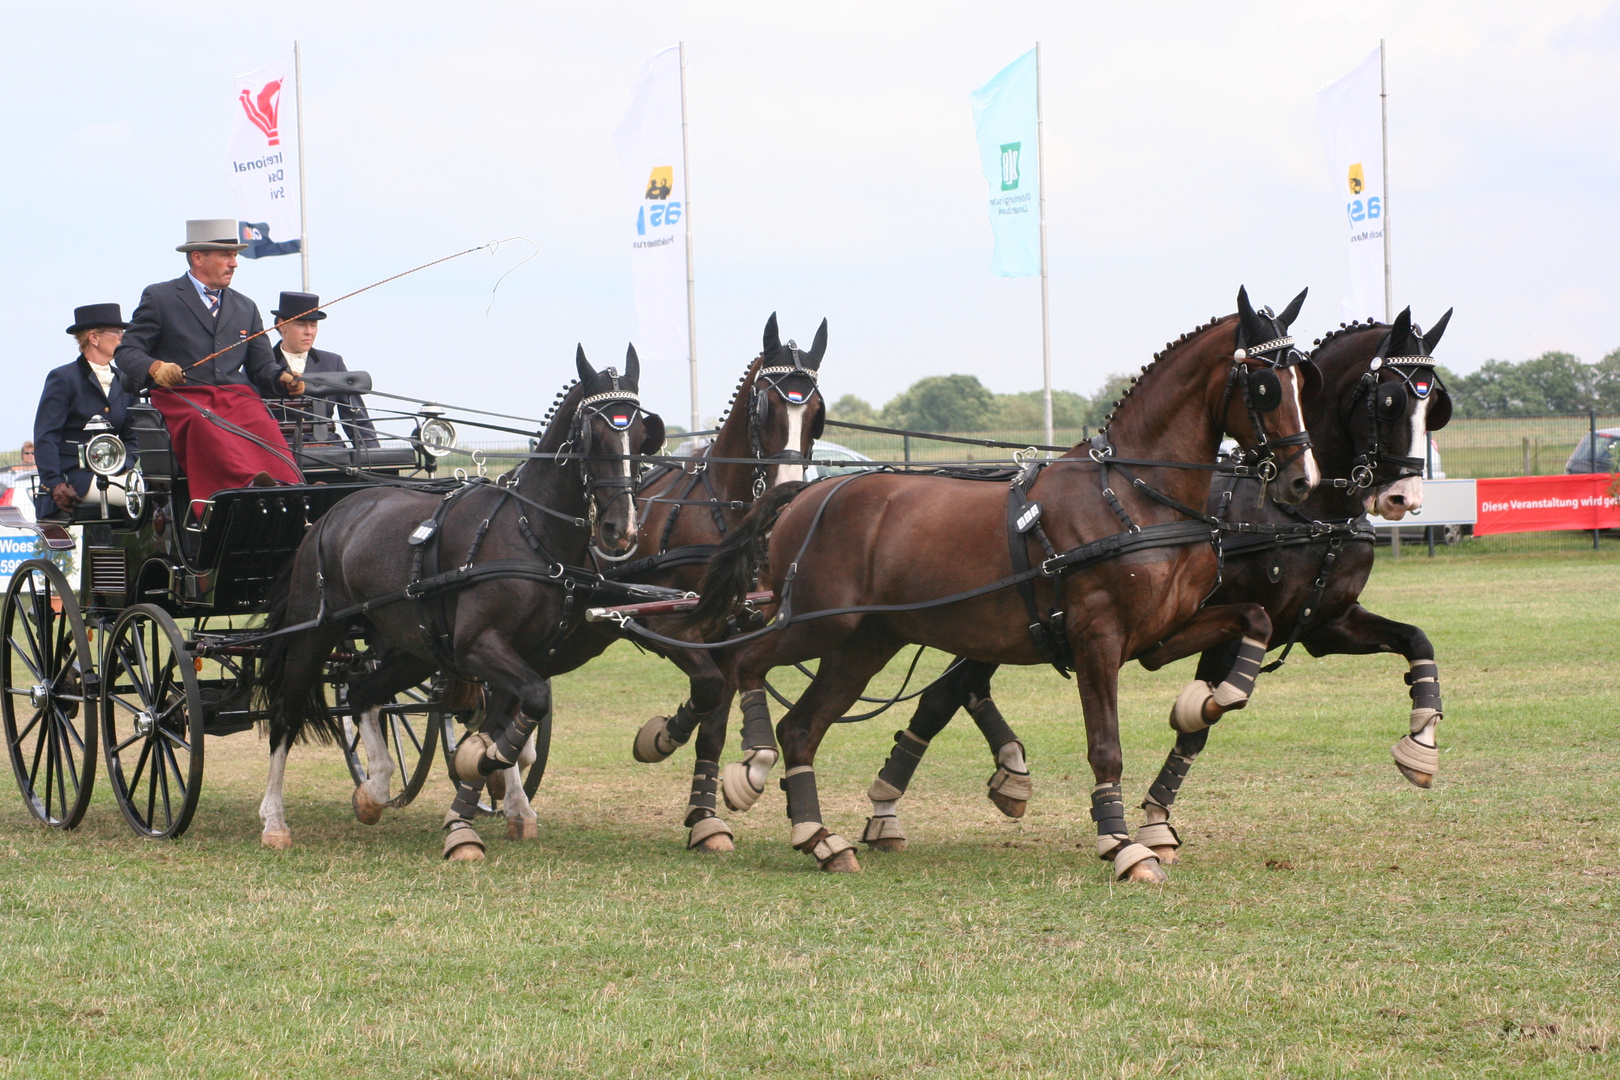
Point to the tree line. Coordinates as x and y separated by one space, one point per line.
1552 383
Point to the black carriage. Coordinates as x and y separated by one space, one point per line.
148 655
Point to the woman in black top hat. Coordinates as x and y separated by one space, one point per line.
298 318
74 394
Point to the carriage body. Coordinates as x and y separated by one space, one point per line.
150 652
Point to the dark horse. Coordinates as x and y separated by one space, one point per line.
518 545
1124 564
1367 430
775 416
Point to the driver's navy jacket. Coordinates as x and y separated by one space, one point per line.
72 396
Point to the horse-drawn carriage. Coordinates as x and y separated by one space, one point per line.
152 650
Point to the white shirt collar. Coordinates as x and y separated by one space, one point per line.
202 290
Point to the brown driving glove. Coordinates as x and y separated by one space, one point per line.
166 374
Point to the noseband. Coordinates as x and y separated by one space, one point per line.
795 384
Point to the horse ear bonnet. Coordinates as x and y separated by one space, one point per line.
586 372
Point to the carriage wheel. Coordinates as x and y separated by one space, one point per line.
472 722
152 722
411 725
50 723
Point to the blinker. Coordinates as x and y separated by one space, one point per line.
1391 401
1265 390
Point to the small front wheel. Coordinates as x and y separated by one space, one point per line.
152 722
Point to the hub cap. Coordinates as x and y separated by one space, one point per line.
38 695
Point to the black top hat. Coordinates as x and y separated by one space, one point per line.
295 304
97 317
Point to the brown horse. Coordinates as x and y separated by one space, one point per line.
775 416
862 563
1367 430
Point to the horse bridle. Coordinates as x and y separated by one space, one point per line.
618 407
1261 391
778 379
1386 403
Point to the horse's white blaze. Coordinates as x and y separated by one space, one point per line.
630 527
1312 472
379 762
787 473
271 810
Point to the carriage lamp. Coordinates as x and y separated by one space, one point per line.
103 453
438 435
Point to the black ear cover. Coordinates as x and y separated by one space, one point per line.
652 438
1389 402
1265 390
582 365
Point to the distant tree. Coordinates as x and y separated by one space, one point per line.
1554 382
1102 402
852 410
1025 410
942 403
1606 383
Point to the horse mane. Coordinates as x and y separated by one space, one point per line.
559 417
751 369
1169 347
1345 329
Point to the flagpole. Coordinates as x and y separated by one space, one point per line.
686 214
303 214
1046 325
1383 108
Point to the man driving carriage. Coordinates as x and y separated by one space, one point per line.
199 346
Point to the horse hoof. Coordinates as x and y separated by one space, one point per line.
717 844
653 743
1013 808
522 829
1148 871
1421 779
276 839
842 863
887 843
1167 856
465 853
463 844
367 809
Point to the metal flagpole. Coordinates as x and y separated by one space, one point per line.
1040 180
303 214
1383 107
686 214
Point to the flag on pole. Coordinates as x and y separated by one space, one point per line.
1352 127
650 153
264 160
1004 118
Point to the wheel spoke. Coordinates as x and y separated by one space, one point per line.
39 714
116 700
67 725
28 627
151 782
39 749
52 766
126 742
174 738
64 761
24 654
140 764
163 778
133 664
179 776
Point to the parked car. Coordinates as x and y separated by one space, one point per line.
1604 457
831 451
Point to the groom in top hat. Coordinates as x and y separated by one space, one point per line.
298 319
199 346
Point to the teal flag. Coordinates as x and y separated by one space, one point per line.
1004 114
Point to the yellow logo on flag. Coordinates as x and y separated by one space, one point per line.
660 182
1358 179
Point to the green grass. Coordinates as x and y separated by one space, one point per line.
1327 920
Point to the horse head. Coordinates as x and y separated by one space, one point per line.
1266 389
786 414
609 430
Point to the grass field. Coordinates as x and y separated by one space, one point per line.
1327 919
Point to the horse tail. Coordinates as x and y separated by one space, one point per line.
287 713
734 567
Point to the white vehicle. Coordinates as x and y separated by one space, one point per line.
831 451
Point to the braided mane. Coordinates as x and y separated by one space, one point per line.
1347 328
1169 347
737 390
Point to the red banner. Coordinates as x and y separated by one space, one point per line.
1545 503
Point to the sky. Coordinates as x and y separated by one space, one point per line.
833 174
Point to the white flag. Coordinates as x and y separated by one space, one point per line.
1352 126
264 160
649 145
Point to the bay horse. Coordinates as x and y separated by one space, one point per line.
1367 431
861 564
370 565
775 416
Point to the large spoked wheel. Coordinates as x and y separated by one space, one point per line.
50 717
411 727
472 722
152 722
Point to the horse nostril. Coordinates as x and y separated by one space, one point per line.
1397 500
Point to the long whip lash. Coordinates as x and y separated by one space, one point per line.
321 307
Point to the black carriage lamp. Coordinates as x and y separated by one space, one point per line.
105 455
435 435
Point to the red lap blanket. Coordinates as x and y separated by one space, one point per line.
222 437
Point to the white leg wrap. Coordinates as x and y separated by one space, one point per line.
1111 844
742 783
882 791
1160 834
885 807
1415 756
1128 856
882 827
1226 695
1187 714
1013 785
705 828
469 752
804 831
